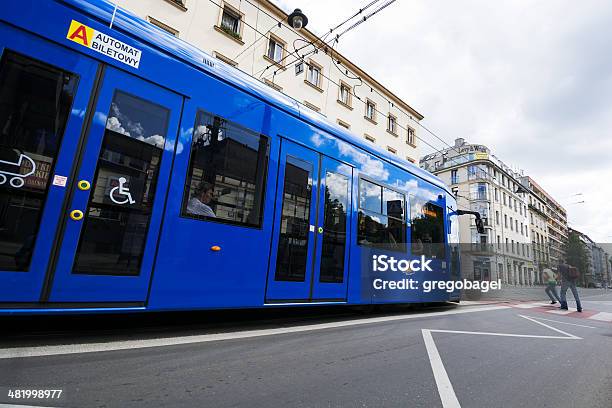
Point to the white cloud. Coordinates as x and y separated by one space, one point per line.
531 80
113 124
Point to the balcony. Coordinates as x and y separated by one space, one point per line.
479 195
482 249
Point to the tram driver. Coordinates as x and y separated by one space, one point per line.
200 199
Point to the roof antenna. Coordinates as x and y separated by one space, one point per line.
113 17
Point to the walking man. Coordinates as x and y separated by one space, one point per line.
569 276
551 285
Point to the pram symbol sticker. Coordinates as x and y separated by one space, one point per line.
17 179
123 192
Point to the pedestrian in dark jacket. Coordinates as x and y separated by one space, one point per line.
568 280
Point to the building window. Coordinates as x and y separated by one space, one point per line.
454 177
313 76
496 195
516 225
392 124
369 138
392 150
345 94
312 106
231 22
511 224
505 221
497 217
227 173
275 50
381 220
370 110
344 124
504 195
411 138
163 26
225 59
273 85
498 242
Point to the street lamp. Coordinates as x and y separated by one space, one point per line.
297 19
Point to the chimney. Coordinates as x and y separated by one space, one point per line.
459 142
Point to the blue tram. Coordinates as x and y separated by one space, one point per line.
138 173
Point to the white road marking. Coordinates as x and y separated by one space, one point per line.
570 336
527 305
445 387
570 324
560 312
39 351
602 317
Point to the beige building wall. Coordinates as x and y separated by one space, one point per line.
199 22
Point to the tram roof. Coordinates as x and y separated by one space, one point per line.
135 26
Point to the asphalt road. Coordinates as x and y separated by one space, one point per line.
321 358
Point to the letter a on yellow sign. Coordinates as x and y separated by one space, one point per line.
80 33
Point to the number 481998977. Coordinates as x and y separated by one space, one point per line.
34 394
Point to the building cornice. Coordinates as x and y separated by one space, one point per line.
282 16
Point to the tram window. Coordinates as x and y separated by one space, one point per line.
381 221
334 237
35 102
427 231
115 228
227 172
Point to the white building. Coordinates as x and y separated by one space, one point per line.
481 182
539 219
247 34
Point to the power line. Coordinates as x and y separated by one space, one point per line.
256 41
322 43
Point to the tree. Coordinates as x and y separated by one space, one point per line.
576 255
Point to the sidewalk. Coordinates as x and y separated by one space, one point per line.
526 293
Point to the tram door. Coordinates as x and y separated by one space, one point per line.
309 252
44 91
110 236
85 157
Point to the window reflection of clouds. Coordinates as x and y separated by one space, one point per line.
337 186
368 165
370 196
127 115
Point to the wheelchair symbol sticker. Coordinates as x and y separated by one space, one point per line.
123 193
17 180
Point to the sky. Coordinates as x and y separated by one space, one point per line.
532 80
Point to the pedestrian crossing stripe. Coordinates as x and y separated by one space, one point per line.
103 44
553 309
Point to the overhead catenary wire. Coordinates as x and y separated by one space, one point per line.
322 44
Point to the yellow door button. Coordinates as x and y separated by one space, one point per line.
84 185
76 215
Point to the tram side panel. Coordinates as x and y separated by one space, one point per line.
228 139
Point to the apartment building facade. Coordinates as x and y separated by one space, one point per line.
481 182
253 35
538 225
